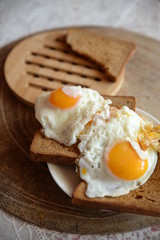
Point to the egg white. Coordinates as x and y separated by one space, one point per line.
65 125
97 140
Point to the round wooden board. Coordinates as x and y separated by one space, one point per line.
27 189
45 62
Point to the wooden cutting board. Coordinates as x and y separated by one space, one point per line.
44 62
27 189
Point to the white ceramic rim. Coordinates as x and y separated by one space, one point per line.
67 178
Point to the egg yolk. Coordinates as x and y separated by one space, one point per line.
84 171
124 162
60 99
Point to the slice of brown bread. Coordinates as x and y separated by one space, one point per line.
145 200
109 53
48 150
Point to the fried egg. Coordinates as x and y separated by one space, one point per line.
112 161
63 113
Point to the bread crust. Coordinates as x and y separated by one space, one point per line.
110 54
44 149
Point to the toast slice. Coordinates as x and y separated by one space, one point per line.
44 149
144 200
110 54
49 150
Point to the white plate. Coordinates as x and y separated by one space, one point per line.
67 178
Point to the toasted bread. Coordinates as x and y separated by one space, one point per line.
144 200
49 150
110 54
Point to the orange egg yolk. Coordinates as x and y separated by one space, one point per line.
124 162
60 99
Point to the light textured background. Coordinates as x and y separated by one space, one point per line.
22 17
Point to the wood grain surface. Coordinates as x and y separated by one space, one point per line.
27 189
44 62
